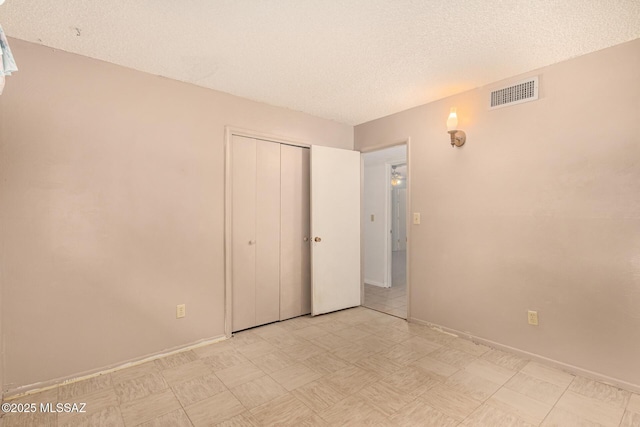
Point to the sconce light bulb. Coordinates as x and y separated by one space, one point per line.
452 121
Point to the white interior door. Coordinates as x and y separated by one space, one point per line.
335 228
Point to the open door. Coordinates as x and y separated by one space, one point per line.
335 229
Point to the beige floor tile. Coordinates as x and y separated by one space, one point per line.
295 376
314 421
296 323
127 374
310 332
403 354
286 410
242 420
490 416
489 371
561 418
73 390
528 409
300 352
214 409
197 389
435 369
232 377
453 357
176 360
630 419
470 347
257 349
244 338
214 348
325 363
139 387
273 362
351 379
255 393
353 352
505 360
149 407
392 334
47 396
182 373
95 402
352 334
376 344
435 336
33 419
590 409
450 402
475 386
384 397
271 330
354 411
410 381
600 391
318 395
177 418
535 388
225 359
379 364
107 417
330 342
548 374
418 413
634 403
284 340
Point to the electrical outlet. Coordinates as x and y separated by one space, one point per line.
181 311
533 317
373 217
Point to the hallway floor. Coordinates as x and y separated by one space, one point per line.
353 367
391 300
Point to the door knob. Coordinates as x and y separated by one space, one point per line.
306 239
252 242
317 239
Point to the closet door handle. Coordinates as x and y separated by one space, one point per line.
306 239
252 242
317 239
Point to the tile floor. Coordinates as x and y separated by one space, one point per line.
350 368
391 300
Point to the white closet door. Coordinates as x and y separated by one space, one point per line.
243 228
335 228
267 220
295 280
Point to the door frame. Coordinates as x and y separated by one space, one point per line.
407 142
229 132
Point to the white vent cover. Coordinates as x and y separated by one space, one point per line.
518 93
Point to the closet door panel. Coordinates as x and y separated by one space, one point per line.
295 287
243 176
267 220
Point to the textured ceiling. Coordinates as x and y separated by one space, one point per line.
351 60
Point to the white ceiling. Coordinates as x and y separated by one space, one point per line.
351 60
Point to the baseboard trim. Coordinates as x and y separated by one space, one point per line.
572 369
375 283
47 385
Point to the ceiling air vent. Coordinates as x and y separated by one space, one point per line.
518 93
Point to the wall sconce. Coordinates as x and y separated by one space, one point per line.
458 137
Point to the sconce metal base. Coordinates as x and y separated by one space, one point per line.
458 138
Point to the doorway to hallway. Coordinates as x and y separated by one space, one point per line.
385 230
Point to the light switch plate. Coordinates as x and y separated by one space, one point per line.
416 218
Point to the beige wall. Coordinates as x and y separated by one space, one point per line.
539 210
111 202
